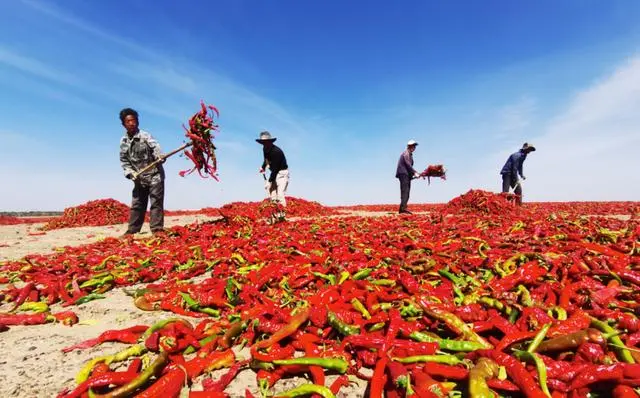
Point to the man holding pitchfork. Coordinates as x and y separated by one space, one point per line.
138 149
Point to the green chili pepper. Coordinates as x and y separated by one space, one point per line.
383 282
457 325
152 370
383 306
337 364
525 296
97 281
561 313
376 326
360 308
89 297
539 337
160 325
622 351
307 389
340 326
363 273
409 309
344 275
249 268
191 349
329 278
453 278
134 350
446 344
531 357
195 306
37 306
443 358
478 376
497 304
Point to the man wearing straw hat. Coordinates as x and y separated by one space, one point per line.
277 183
405 172
512 168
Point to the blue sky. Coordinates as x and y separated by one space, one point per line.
343 85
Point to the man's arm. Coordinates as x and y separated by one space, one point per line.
520 164
125 162
514 165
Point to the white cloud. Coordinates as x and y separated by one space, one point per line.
589 151
513 119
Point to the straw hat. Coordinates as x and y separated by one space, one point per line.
265 136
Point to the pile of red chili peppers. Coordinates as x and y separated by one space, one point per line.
479 201
473 302
93 213
200 133
13 220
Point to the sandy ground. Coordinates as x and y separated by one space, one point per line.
16 241
32 363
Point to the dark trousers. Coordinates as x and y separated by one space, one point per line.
405 189
509 181
141 195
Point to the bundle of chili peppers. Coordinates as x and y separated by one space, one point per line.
93 213
200 132
529 303
437 170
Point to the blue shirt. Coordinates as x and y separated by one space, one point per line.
514 164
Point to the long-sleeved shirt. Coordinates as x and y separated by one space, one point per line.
405 164
137 151
513 166
275 159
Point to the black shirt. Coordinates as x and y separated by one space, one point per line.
274 157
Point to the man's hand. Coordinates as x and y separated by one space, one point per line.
416 175
261 171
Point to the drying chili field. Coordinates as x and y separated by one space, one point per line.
471 298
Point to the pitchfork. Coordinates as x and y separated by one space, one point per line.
161 159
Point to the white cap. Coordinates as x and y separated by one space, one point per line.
412 142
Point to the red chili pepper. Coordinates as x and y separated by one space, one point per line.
286 331
378 379
101 380
24 319
168 386
68 318
597 373
338 383
516 371
621 391
24 293
223 382
207 394
127 336
446 371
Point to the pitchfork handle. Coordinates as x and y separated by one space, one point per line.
161 159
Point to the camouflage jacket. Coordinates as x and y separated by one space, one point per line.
137 152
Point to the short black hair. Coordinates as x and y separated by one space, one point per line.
128 112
